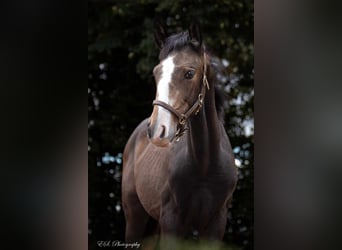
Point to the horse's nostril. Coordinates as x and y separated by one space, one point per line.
162 134
149 132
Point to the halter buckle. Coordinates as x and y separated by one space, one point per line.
200 99
182 120
180 130
200 103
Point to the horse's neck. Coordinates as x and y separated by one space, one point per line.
204 133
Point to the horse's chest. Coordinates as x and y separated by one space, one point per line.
150 178
194 192
197 201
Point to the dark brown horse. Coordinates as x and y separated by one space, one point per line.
178 170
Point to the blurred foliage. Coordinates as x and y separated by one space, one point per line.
121 56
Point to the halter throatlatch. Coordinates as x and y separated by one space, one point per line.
195 108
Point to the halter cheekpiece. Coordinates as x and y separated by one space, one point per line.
195 108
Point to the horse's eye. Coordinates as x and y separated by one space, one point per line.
189 74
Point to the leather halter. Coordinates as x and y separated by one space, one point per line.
195 108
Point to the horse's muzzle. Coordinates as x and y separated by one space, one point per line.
158 135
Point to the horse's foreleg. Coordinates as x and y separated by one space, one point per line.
170 227
136 219
216 226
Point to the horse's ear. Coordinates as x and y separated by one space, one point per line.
160 33
195 34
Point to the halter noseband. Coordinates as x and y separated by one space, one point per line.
195 108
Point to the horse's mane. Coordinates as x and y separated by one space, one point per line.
181 40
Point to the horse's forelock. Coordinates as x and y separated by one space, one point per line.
176 42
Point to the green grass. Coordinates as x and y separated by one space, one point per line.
176 244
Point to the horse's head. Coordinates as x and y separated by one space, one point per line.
179 77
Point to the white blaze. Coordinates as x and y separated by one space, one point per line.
163 85
163 89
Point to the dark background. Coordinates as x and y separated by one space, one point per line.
121 56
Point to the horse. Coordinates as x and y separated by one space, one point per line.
179 173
